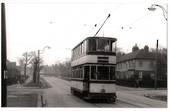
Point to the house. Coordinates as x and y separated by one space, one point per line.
13 73
137 66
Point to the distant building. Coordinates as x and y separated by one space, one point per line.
11 65
139 65
13 73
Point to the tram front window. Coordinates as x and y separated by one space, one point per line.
101 45
103 73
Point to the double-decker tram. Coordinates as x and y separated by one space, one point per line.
93 66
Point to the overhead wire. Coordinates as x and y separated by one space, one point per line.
96 25
129 26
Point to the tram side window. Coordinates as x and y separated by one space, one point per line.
86 72
81 48
92 44
81 73
76 74
84 47
112 73
73 74
93 72
114 47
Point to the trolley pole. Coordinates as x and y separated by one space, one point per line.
3 58
156 67
102 25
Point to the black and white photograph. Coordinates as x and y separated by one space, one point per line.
84 54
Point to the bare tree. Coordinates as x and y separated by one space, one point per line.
25 61
119 52
36 64
62 69
161 62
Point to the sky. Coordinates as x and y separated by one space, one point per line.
32 25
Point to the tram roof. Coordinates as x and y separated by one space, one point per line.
96 37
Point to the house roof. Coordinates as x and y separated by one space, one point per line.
139 54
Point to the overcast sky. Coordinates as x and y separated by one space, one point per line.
62 25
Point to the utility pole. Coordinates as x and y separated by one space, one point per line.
25 67
165 14
38 68
38 64
3 58
156 66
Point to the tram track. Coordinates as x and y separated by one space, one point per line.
118 104
125 102
59 95
99 104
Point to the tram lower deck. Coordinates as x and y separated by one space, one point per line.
94 81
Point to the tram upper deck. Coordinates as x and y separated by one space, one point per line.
95 50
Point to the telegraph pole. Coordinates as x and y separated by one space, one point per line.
156 66
165 14
25 67
38 68
3 58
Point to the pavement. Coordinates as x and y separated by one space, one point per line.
20 96
146 97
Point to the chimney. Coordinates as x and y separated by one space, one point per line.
146 48
135 48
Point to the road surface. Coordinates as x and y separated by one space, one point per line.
59 96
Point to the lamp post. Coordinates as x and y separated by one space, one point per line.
38 68
165 14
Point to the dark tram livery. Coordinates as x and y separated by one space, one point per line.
93 68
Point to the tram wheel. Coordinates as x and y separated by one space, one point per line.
112 100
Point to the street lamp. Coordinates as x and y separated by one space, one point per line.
39 51
165 14
46 47
153 8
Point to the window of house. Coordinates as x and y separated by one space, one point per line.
152 75
151 64
140 75
119 65
129 64
126 64
140 63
